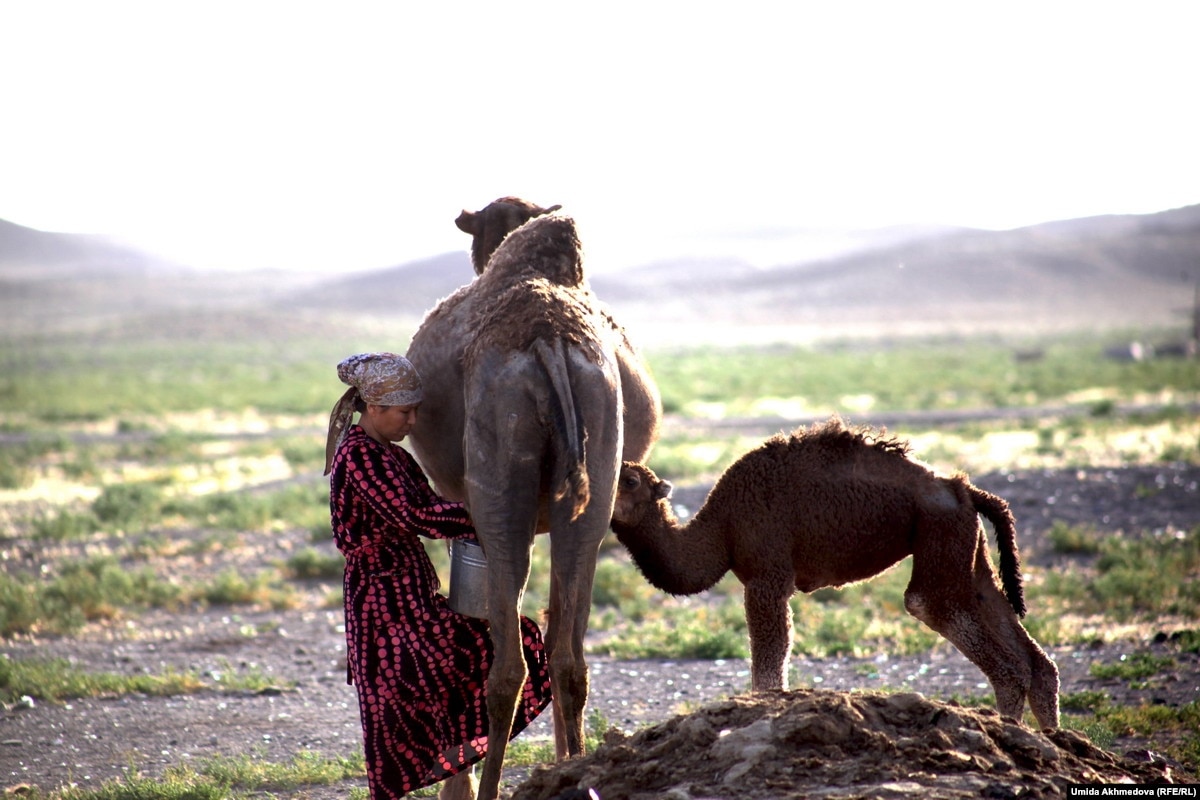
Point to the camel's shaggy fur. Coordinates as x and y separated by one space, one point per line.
832 505
535 301
533 289
489 228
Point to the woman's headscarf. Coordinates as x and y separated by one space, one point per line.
381 379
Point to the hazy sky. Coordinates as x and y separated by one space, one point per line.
349 135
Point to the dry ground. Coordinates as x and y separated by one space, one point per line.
884 745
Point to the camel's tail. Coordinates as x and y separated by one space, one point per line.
997 511
571 439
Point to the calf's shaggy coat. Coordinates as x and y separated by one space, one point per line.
829 506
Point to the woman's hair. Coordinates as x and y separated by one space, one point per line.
360 405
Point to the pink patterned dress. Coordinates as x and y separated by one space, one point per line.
420 668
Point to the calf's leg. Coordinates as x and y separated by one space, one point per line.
769 620
953 591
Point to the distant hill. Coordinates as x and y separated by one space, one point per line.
55 282
1082 257
1100 272
408 290
1111 272
30 252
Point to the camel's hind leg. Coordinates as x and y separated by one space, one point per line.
508 570
769 620
954 592
997 612
1043 693
570 602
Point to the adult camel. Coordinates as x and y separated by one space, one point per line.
523 421
437 350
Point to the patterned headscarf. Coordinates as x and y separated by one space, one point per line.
381 379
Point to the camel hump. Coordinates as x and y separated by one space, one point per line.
570 437
533 290
490 225
996 511
547 247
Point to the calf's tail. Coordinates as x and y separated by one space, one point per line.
996 510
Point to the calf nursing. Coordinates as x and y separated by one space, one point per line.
829 506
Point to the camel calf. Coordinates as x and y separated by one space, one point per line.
829 506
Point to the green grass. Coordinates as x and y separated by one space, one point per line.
63 525
223 778
57 382
684 456
1074 539
1134 668
301 454
1140 579
139 506
860 620
310 564
78 592
1094 714
1088 700
56 680
1131 579
101 588
686 631
1188 641
688 457
264 588
129 505
928 374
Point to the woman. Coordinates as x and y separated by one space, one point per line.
420 669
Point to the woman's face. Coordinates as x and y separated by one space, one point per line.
392 423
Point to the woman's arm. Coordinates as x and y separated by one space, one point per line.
390 485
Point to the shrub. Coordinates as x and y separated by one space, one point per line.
64 525
98 588
310 564
1135 667
1073 539
20 606
125 504
230 587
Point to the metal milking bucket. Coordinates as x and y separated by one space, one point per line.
468 579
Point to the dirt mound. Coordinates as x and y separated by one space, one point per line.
833 744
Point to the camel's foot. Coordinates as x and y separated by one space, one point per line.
459 787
